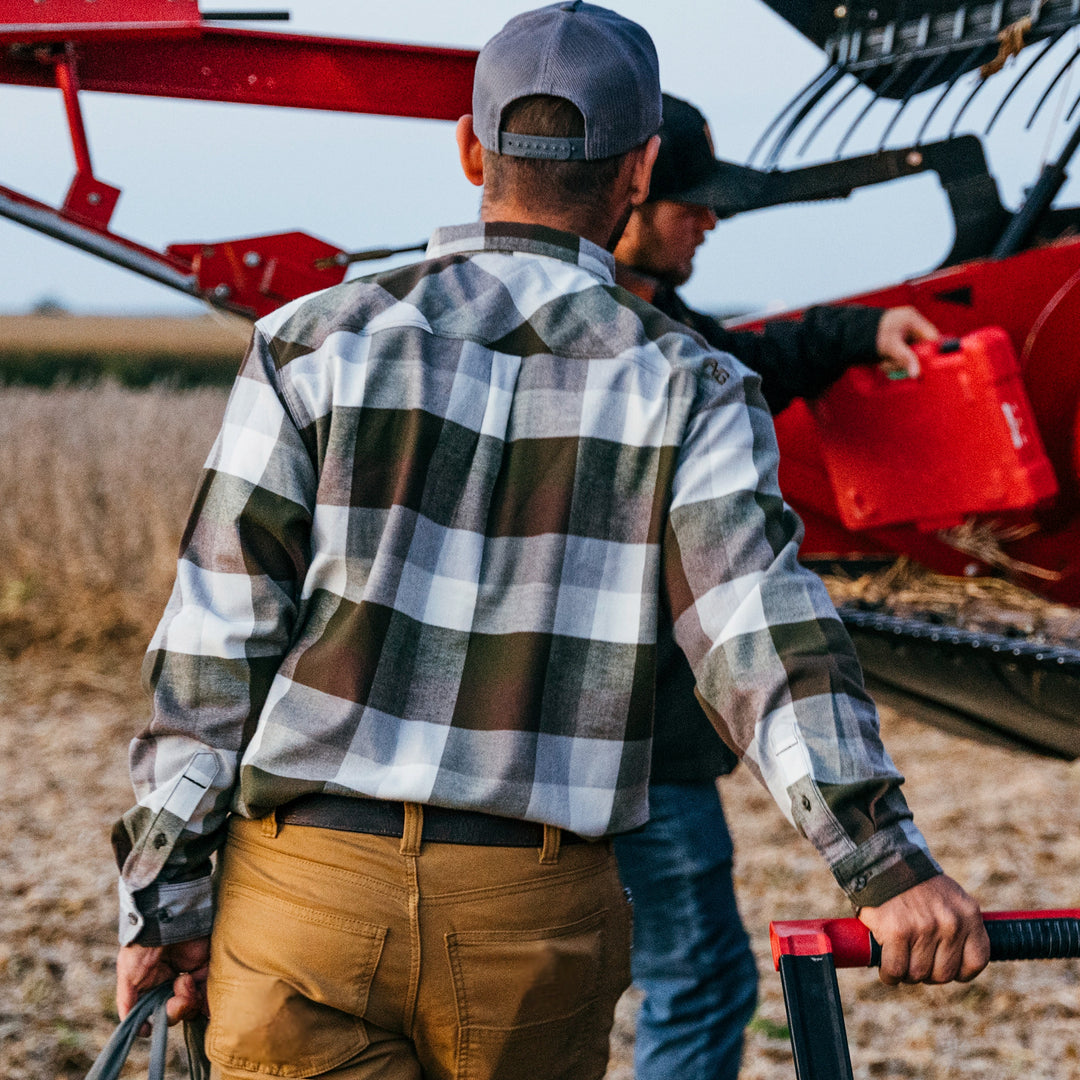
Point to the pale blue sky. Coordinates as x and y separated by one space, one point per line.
193 171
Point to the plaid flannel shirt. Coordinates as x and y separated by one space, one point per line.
426 559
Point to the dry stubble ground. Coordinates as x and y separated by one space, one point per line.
88 471
1006 824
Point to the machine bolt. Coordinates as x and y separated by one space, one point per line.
840 11
914 159
222 292
93 198
971 570
252 258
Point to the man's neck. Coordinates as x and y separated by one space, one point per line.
640 283
567 223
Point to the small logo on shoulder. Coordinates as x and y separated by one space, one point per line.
714 370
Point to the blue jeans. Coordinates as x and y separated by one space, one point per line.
691 954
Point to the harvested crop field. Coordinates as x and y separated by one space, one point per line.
94 484
59 349
210 334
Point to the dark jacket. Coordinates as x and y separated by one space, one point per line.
797 358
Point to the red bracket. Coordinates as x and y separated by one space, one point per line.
89 201
260 273
846 940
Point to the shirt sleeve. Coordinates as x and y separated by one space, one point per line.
775 670
799 358
213 657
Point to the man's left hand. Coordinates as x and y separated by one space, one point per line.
899 329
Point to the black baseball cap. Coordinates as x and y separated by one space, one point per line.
687 169
601 61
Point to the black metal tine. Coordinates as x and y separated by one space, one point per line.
831 111
916 87
1072 109
1050 43
890 81
974 57
1050 86
808 88
979 85
801 114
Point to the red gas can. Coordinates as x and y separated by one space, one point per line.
959 440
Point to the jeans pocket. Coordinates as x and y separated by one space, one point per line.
530 1002
288 984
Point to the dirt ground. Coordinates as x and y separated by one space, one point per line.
1005 824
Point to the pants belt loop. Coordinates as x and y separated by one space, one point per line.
413 830
549 853
270 825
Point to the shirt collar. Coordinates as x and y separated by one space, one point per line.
515 237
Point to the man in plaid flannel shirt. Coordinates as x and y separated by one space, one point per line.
409 661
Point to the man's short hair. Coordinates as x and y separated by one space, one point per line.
554 185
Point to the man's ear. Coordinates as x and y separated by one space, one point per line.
471 152
642 171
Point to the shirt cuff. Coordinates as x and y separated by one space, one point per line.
166 913
889 863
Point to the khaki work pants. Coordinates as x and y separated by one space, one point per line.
354 957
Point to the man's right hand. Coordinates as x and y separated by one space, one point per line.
931 933
898 330
142 967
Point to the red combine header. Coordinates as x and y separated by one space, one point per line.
972 469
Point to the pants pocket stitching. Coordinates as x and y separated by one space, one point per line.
313 915
310 1067
469 1027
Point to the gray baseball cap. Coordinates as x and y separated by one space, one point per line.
602 62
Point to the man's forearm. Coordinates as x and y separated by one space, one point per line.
775 670
215 654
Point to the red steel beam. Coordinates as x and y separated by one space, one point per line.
254 67
70 20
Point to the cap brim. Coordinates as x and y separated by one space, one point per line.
729 189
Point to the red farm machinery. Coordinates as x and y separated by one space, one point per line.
973 469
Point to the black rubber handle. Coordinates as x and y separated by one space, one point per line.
1022 939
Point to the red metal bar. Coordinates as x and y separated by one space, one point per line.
169 270
69 20
850 943
807 953
89 201
250 276
846 939
256 67
67 78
